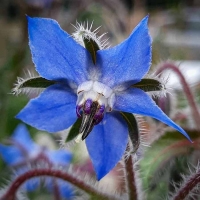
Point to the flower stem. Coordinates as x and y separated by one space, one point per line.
130 178
188 93
56 190
10 193
187 187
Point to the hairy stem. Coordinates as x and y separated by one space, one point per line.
188 93
56 190
130 178
11 192
187 187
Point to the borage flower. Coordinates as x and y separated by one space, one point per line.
97 85
23 154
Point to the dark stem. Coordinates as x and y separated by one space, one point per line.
187 187
188 93
10 194
130 178
56 190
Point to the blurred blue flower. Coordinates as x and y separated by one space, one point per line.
95 92
24 152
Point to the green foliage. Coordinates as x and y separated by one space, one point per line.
165 160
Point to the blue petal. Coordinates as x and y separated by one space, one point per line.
21 136
61 156
55 53
137 101
107 142
11 155
32 184
54 110
65 189
128 61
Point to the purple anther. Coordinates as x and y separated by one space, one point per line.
101 109
98 119
99 114
87 106
79 110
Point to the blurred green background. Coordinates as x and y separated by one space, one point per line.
175 30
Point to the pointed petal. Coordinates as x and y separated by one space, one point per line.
137 101
107 142
61 156
54 110
32 185
65 189
128 61
11 155
55 53
21 136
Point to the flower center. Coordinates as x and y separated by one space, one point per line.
94 99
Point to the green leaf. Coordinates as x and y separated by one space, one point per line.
92 47
132 129
74 131
148 85
163 152
36 82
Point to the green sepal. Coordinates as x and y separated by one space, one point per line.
74 131
36 82
132 129
149 84
92 47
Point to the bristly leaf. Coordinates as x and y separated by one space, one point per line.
92 47
74 131
148 85
133 129
36 82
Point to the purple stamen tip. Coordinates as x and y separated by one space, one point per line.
78 110
99 114
98 119
87 106
101 109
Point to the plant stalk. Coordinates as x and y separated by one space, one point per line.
11 192
186 88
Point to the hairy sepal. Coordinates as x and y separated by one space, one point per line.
132 129
74 131
149 85
92 47
23 85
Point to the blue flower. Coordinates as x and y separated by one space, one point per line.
24 151
95 91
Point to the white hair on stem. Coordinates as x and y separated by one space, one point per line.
194 193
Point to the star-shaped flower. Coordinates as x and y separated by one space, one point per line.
93 85
24 152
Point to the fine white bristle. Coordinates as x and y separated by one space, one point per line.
85 31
